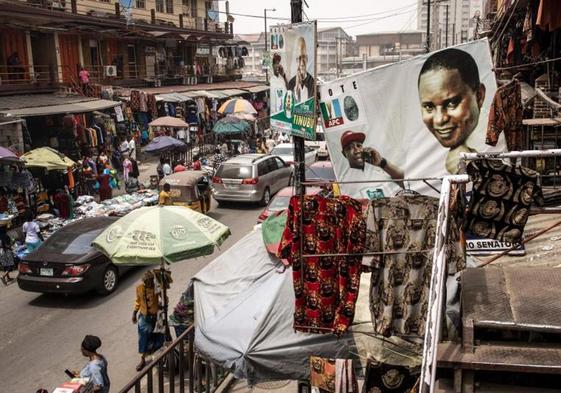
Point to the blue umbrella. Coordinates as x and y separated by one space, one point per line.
162 144
231 125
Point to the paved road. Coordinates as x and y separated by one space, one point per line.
40 335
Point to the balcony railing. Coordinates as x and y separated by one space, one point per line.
114 10
179 369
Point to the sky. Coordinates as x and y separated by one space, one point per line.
355 16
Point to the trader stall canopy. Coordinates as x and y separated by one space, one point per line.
48 104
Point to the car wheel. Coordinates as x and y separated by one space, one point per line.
109 281
266 197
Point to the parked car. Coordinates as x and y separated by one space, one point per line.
67 263
319 145
280 201
286 152
323 171
250 178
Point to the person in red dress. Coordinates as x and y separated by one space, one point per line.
104 180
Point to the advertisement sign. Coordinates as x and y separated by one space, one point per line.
410 119
293 79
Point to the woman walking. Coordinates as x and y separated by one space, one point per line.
7 260
145 314
33 236
96 368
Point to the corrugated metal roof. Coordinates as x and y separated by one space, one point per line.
35 100
233 92
257 89
77 107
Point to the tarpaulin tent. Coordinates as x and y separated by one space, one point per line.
244 305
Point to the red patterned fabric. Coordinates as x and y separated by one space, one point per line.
326 288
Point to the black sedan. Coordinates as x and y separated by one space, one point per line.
67 263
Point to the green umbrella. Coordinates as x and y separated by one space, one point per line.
231 125
272 229
148 234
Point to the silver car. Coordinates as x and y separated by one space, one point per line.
250 178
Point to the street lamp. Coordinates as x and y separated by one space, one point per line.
266 47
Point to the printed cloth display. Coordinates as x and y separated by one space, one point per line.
404 228
326 288
501 200
506 116
385 378
332 375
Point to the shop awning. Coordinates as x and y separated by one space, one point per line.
174 97
257 89
77 107
218 94
233 92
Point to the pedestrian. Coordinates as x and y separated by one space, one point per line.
144 137
127 168
132 147
61 201
135 172
165 196
7 259
84 76
124 147
33 236
105 191
160 169
96 368
166 168
145 313
180 167
196 164
270 143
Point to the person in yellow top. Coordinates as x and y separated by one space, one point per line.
165 196
145 313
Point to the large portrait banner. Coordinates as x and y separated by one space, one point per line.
293 79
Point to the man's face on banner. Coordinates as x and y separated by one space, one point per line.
302 59
353 153
450 108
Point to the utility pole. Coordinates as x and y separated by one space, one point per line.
446 40
428 25
266 47
299 156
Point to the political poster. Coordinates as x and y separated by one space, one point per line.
293 79
409 120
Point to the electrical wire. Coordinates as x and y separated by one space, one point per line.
368 15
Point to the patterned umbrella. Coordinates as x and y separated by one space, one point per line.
237 105
231 125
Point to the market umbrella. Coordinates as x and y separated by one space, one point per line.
237 105
231 125
48 158
168 121
272 230
243 116
149 234
164 143
8 155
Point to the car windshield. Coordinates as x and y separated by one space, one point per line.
320 136
233 171
68 245
282 151
279 203
325 173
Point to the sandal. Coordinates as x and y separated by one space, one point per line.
141 365
4 280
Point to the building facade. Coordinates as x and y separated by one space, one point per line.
44 43
452 21
377 49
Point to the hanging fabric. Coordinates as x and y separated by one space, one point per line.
332 375
326 288
135 100
404 227
549 15
501 200
505 117
386 378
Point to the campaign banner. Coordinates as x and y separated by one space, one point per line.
292 78
409 120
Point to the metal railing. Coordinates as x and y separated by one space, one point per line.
178 369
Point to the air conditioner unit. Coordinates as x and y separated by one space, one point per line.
111 70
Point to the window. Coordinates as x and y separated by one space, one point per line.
159 5
263 168
194 8
280 163
140 3
169 6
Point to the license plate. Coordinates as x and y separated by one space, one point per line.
46 272
231 186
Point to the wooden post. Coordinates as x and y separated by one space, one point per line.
181 21
74 6
153 16
205 24
117 10
226 27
